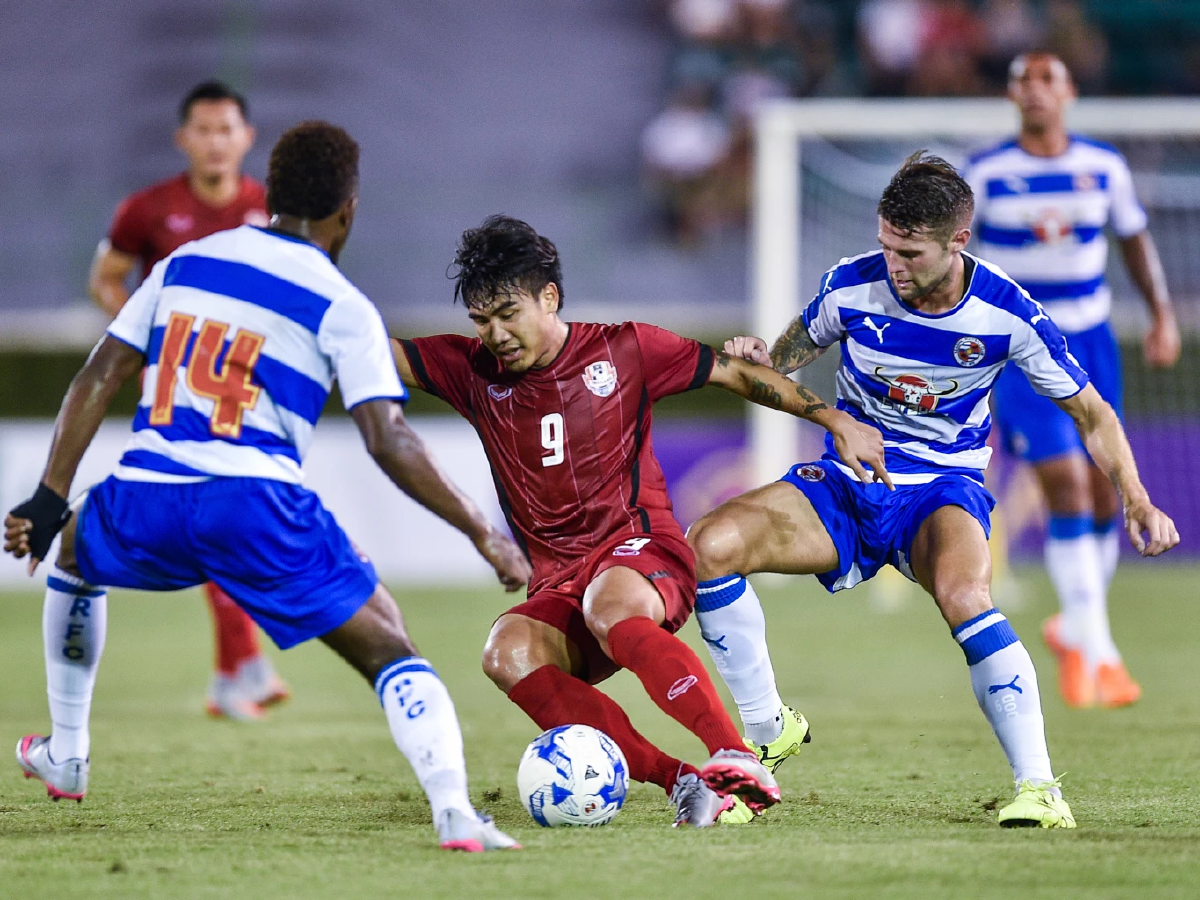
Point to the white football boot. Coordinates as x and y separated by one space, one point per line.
65 780
457 831
696 804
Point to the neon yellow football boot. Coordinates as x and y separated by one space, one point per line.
795 734
1036 806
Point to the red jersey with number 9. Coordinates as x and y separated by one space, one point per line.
569 445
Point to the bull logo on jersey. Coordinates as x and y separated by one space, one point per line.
1052 226
499 391
600 378
914 392
178 222
969 351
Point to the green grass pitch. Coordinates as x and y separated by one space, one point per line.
894 798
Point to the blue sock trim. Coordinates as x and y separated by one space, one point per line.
991 639
75 590
400 667
979 618
1064 528
1104 527
719 592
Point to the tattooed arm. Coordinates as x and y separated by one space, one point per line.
857 444
794 349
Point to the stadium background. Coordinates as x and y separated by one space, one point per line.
618 128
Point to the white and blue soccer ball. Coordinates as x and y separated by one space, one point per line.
573 775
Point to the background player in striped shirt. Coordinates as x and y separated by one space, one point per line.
564 414
243 334
925 329
1042 203
212 195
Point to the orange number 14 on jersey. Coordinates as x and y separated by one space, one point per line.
230 389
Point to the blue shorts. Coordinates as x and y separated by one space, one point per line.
872 526
1031 426
270 545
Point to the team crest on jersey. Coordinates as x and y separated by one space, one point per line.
969 351
600 378
178 222
811 473
1086 181
499 391
256 217
914 392
1052 226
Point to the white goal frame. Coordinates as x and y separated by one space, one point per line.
779 128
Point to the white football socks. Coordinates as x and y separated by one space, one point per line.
1005 685
735 632
1076 567
1108 542
424 726
74 621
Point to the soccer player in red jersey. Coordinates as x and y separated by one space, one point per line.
212 195
563 411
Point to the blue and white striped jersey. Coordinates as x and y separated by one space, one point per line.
244 332
1042 219
924 380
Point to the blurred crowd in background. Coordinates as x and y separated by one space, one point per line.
732 54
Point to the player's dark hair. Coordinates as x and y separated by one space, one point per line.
500 257
312 172
927 194
211 90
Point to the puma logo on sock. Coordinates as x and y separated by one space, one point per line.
999 687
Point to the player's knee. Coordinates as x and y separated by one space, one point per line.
502 655
718 545
961 599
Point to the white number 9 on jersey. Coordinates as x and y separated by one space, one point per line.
553 439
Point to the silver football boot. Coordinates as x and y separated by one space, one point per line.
67 780
697 805
457 831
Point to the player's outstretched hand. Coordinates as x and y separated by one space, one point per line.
512 568
751 348
1161 534
1162 344
30 529
860 447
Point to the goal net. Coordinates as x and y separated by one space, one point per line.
820 166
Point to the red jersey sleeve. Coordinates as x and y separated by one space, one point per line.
672 364
442 365
128 231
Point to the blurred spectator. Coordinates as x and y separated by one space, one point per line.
1078 42
953 43
683 151
890 34
828 72
1013 27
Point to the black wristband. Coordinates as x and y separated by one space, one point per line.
49 513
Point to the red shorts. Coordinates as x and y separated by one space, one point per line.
665 559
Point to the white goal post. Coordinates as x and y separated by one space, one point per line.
779 129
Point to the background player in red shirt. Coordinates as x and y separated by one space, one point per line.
212 195
563 411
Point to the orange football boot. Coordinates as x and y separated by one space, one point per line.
1075 684
1115 687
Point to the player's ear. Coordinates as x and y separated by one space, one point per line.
961 238
549 298
251 136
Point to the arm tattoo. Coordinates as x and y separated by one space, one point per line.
795 348
812 403
764 395
722 359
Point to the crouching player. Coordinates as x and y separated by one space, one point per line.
243 333
563 411
925 330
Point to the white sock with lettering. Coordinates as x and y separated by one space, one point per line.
424 726
74 621
1005 685
735 631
